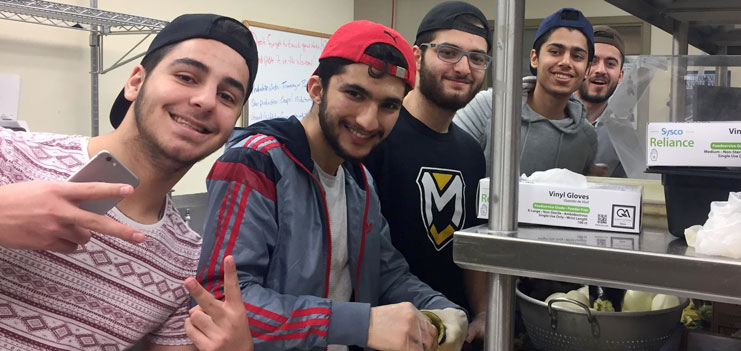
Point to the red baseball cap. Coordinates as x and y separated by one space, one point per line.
352 39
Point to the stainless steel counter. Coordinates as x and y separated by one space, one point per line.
652 261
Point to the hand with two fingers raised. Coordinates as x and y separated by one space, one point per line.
46 215
216 325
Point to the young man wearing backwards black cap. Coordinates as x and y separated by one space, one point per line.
605 72
290 201
69 281
555 132
428 168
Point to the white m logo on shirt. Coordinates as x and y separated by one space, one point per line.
438 188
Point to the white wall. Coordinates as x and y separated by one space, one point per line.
54 63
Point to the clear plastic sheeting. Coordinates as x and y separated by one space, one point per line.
712 93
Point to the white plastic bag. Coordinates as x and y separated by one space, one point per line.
721 234
557 176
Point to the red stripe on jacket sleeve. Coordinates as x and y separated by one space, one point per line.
252 179
282 319
289 326
225 214
271 329
290 336
243 174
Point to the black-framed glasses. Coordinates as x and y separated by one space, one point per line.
453 54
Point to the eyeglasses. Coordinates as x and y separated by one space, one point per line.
452 54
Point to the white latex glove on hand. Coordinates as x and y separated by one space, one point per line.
456 328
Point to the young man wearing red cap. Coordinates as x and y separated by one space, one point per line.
605 72
69 281
290 201
554 131
428 168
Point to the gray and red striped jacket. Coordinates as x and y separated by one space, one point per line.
266 208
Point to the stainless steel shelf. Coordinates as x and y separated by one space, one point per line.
657 262
77 17
713 25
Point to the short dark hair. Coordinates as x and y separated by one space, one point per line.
234 30
429 36
331 66
151 61
543 38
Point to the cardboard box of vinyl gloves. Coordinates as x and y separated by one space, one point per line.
600 206
694 144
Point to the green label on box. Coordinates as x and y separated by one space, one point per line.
725 146
562 208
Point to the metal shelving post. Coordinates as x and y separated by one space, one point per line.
98 22
505 130
679 70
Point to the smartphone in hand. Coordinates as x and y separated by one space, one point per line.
103 167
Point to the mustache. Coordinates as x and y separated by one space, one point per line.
465 79
358 128
600 76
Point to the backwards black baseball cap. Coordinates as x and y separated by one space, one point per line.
569 18
443 16
194 26
607 35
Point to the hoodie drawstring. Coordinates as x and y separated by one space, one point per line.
524 142
558 150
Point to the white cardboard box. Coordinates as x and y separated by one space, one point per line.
600 206
698 144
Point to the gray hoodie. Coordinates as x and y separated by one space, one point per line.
569 143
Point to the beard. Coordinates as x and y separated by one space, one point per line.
595 98
331 132
150 145
433 89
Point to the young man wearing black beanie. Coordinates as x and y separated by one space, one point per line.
428 168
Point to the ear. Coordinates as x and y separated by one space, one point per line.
533 59
417 56
620 77
315 89
134 83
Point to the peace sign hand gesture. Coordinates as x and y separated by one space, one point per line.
216 325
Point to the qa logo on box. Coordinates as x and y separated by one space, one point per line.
624 216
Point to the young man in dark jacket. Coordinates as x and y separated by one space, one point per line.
290 201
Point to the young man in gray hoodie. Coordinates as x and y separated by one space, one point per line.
555 132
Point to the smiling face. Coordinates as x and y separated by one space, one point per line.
186 107
562 62
357 111
604 74
450 85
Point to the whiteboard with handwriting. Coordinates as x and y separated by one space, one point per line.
287 60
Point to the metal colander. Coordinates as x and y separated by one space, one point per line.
554 328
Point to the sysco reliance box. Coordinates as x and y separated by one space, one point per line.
695 144
600 206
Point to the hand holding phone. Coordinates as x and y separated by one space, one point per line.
103 167
46 215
